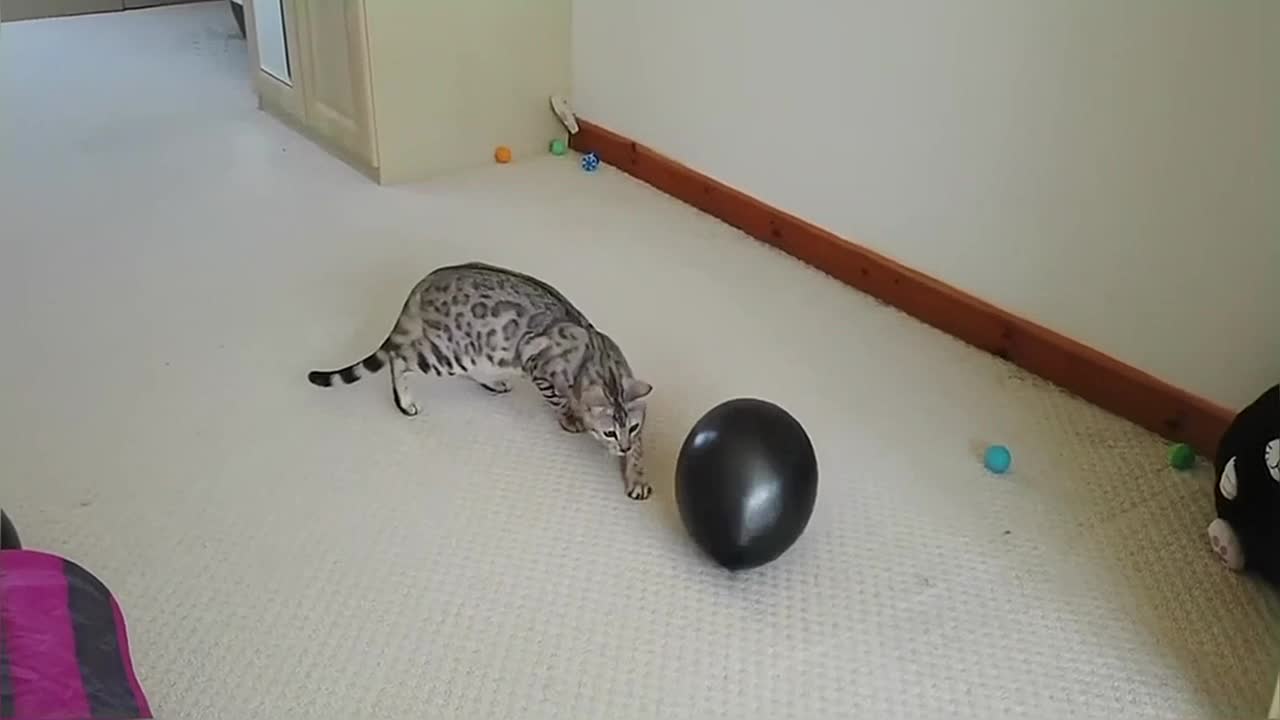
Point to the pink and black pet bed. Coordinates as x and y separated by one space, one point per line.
64 654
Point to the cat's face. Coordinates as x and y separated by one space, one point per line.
616 421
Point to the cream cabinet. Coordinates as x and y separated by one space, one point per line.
408 90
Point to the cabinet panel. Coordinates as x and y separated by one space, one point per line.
277 51
270 32
335 75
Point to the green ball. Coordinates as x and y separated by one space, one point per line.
1182 457
558 147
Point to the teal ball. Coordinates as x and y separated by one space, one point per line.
997 459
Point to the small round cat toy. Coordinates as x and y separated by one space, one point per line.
590 162
1246 533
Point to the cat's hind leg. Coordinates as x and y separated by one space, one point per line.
493 373
400 370
491 379
497 387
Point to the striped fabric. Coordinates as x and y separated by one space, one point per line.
64 654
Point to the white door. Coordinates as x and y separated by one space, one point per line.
273 47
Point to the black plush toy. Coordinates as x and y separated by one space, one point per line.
1246 533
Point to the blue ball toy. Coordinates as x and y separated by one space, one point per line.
590 162
997 459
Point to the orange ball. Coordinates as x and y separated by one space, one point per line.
502 154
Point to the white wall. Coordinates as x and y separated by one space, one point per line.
1108 169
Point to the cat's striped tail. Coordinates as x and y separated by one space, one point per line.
350 373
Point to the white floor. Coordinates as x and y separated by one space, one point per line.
173 262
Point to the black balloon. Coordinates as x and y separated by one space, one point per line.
8 534
746 482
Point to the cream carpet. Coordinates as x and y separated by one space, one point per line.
174 262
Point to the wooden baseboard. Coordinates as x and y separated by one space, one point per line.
1098 378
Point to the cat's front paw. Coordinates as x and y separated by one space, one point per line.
640 491
571 424
410 409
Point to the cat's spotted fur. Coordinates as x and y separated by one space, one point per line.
494 325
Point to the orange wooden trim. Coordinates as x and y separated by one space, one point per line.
1098 378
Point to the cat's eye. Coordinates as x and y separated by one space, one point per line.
635 428
609 434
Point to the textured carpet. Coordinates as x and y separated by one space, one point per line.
173 264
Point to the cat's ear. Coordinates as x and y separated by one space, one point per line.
635 391
594 397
